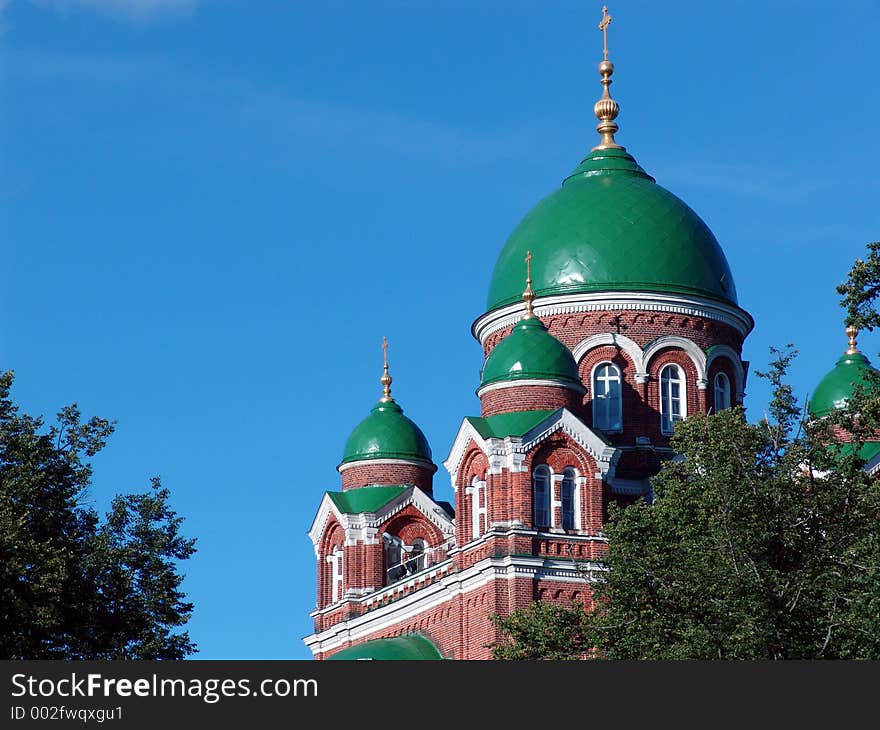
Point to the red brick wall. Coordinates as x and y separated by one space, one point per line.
366 474
529 398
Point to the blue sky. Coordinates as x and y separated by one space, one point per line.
212 211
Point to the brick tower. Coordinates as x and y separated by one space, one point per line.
629 322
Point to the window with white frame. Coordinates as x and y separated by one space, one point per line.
478 506
607 406
722 392
336 573
541 495
673 404
569 499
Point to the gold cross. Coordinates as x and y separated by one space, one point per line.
528 267
385 350
603 26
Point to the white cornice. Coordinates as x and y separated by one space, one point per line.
729 314
576 387
367 462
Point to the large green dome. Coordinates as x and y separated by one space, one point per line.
610 227
837 387
387 434
530 352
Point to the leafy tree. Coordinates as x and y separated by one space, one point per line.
542 631
73 586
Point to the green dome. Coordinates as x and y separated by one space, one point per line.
530 352
387 434
837 386
610 227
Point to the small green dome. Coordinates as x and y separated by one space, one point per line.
387 434
610 227
530 352
837 386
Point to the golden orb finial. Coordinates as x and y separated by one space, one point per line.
606 109
852 333
528 295
386 378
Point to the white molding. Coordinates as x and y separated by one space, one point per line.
697 356
576 387
693 306
610 339
407 462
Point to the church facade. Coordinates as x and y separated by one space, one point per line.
612 313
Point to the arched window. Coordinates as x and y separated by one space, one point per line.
607 410
673 404
569 489
478 506
722 392
336 573
541 494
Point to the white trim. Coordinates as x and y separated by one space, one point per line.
726 351
697 356
576 387
610 339
681 376
408 462
693 306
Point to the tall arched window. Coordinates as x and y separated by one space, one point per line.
569 504
336 573
722 392
607 410
673 404
541 495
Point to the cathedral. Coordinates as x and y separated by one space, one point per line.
611 314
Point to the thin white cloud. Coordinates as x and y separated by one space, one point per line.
137 11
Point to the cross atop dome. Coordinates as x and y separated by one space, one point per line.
606 109
386 377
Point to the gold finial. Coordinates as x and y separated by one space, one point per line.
606 109
529 295
386 378
603 26
852 333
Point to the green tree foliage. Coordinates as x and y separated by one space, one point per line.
542 631
74 586
861 289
